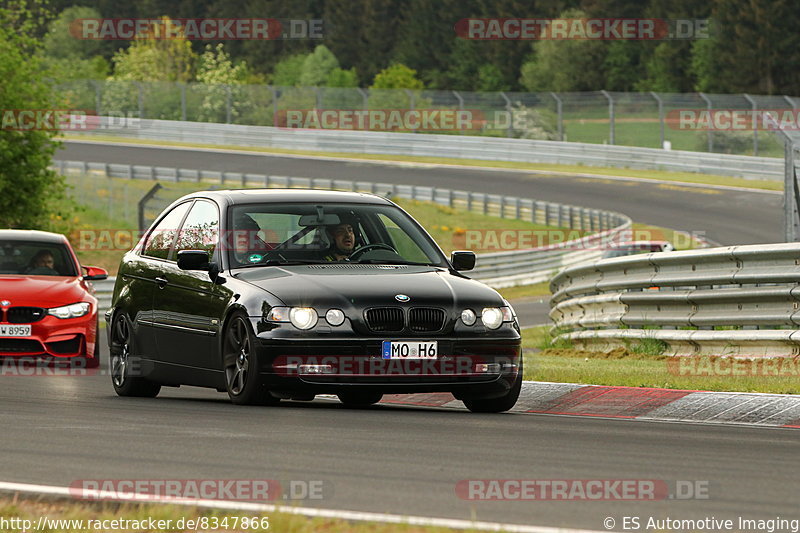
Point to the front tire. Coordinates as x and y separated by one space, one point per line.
121 361
359 399
496 405
240 365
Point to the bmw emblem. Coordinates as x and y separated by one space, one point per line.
5 303
401 297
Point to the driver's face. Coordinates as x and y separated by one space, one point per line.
344 237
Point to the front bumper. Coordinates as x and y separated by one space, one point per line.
53 337
479 366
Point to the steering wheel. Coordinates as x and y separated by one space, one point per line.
366 248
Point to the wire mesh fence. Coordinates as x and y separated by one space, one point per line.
654 120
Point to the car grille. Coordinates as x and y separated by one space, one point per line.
8 346
24 315
425 319
393 319
385 319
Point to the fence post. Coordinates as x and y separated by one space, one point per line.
228 105
755 122
183 101
710 139
610 116
510 128
365 97
143 203
559 110
274 92
98 98
660 115
140 99
460 107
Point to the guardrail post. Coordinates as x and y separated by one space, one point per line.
516 208
533 211
610 116
469 201
502 207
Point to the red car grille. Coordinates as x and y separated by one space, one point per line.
15 346
23 315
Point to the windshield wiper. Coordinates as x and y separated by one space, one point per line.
289 262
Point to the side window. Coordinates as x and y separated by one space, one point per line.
200 230
404 244
163 235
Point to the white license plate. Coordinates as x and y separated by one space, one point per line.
15 330
410 350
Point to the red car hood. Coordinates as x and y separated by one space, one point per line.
42 291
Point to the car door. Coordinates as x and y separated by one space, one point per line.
189 306
142 274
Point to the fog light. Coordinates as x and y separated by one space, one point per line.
468 317
487 368
315 369
335 317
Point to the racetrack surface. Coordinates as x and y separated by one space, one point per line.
726 216
396 459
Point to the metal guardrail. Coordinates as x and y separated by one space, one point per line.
501 269
448 146
737 300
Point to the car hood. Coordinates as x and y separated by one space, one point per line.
359 286
41 291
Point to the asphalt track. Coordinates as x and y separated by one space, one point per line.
394 459
725 216
407 460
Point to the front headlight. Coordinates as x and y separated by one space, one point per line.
493 317
303 317
300 317
70 311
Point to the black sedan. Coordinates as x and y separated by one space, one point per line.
285 294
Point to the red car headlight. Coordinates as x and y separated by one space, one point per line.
70 311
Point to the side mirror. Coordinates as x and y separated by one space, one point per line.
463 260
193 260
95 273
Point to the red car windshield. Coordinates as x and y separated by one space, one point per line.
36 259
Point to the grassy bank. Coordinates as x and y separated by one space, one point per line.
641 365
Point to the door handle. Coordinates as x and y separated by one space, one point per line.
162 282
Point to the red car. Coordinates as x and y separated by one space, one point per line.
47 305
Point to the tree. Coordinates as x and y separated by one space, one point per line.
342 78
216 70
68 58
317 66
568 65
397 76
288 71
29 191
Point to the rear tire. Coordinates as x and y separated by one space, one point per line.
496 405
359 399
121 360
240 364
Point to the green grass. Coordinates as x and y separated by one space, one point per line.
107 218
526 291
687 177
33 508
642 365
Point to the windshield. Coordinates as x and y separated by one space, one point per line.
271 234
36 259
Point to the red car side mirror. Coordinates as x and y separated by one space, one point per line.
95 273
